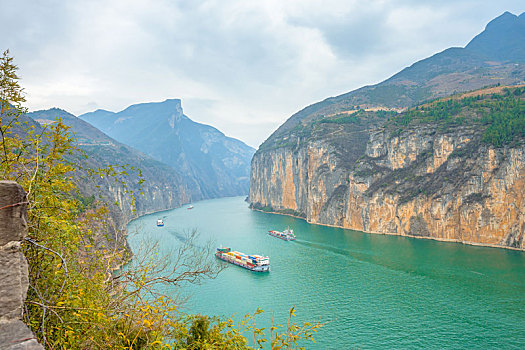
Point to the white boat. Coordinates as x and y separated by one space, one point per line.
286 235
160 222
190 207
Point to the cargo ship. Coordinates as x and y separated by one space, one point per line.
286 235
251 262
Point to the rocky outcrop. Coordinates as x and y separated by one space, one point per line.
14 282
425 182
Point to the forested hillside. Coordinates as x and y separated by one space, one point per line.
494 57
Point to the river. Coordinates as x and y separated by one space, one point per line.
374 291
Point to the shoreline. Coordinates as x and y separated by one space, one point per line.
437 239
475 244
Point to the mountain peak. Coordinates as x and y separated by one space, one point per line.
502 40
159 108
100 110
56 109
178 113
172 100
211 163
52 113
503 22
506 17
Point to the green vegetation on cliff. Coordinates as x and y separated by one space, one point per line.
415 173
422 168
501 114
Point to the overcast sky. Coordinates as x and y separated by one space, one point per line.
242 66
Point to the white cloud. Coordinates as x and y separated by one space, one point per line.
242 66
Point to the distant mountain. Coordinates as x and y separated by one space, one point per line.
502 40
495 56
213 164
163 188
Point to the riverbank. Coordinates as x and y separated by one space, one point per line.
395 234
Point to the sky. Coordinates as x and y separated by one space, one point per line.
242 66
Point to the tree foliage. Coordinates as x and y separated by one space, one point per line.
83 294
11 94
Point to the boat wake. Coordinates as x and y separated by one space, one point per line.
477 273
325 247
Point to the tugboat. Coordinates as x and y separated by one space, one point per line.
256 263
160 222
286 235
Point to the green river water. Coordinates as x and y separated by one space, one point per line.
374 291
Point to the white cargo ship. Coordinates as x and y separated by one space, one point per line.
286 235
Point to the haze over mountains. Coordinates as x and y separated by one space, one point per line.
212 164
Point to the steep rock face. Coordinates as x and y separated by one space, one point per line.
130 196
14 334
421 183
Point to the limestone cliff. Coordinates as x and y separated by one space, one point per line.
438 178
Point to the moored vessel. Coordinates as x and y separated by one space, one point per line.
286 235
257 263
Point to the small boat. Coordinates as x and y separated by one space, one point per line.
256 263
160 222
190 207
286 235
